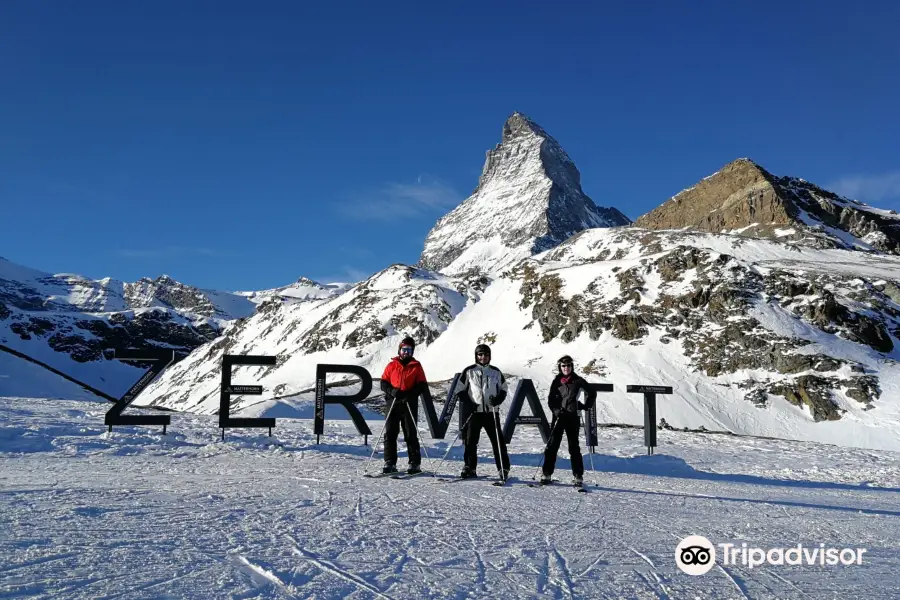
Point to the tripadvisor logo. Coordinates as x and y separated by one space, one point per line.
696 555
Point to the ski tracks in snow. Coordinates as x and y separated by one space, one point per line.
331 568
254 523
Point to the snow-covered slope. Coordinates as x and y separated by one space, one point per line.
22 378
68 322
361 326
528 199
87 514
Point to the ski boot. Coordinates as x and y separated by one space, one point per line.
467 473
545 480
388 469
413 470
579 482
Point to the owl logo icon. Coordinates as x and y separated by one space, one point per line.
695 555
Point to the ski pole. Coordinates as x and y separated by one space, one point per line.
590 448
458 433
499 447
544 453
381 435
418 434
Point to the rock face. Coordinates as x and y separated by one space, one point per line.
528 199
753 319
743 198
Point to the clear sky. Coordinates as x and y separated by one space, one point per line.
240 145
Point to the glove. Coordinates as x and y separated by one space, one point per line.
582 406
496 400
557 412
401 396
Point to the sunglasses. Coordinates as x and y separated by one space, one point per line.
406 350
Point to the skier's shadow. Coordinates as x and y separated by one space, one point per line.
656 465
661 465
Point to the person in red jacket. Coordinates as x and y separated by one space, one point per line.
402 383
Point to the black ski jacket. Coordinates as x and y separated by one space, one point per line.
565 395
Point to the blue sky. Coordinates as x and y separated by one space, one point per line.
239 145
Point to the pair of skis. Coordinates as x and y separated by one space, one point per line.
397 475
496 483
577 487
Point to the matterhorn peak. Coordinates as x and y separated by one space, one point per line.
529 199
519 124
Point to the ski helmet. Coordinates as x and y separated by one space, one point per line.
485 351
565 360
407 342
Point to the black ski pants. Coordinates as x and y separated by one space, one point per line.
570 424
490 422
400 418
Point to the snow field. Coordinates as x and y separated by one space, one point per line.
134 514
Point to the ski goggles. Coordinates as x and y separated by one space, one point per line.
407 350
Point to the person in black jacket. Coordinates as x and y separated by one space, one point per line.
563 402
483 388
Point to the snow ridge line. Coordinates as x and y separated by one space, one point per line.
83 385
256 572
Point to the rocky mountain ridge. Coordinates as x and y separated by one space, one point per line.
744 199
70 322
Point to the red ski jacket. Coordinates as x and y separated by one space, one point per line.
403 377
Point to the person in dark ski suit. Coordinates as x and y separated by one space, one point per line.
483 387
563 402
402 382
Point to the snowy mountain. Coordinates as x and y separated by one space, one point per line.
757 337
302 290
778 327
67 322
361 326
745 199
528 199
748 294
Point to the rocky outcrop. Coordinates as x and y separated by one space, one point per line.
166 291
711 319
423 313
745 199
